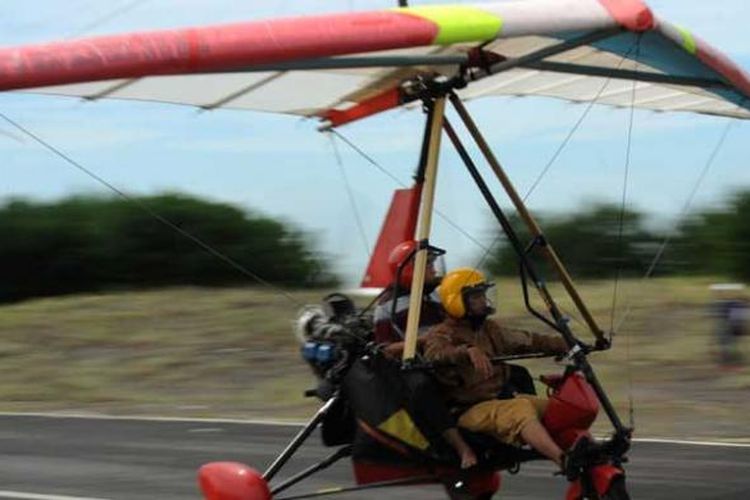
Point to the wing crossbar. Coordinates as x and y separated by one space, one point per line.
624 74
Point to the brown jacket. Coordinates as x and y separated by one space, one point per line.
450 340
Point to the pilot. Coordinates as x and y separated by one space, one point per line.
466 340
426 402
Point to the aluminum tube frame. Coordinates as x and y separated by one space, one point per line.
559 48
419 176
423 230
351 62
624 74
343 452
510 232
579 355
300 438
534 228
364 487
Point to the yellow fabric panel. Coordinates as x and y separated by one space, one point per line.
459 23
688 41
401 426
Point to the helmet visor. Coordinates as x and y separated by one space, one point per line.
435 270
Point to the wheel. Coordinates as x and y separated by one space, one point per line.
232 481
617 490
468 496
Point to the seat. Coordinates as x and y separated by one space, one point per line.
378 388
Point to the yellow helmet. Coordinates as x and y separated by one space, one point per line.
455 284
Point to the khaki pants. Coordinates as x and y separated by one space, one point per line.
503 418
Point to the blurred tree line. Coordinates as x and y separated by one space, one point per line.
593 243
88 244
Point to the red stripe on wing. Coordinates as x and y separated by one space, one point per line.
381 102
215 48
632 14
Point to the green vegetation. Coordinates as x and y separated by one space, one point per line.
717 241
230 353
91 244
589 242
193 347
86 244
596 240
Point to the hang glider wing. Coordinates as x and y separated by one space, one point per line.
344 67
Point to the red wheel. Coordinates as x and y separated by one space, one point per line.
478 486
232 481
617 490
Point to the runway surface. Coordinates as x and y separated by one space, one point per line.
43 458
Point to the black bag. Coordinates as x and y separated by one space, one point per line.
379 395
519 381
338 426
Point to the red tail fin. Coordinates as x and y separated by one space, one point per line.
400 225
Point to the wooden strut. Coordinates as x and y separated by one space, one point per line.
423 231
536 231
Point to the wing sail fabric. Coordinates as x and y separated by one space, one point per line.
347 66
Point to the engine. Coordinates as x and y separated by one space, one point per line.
333 335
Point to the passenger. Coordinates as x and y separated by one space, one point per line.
426 403
390 320
466 340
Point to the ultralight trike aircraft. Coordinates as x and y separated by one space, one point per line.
347 67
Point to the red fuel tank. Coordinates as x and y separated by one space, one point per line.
573 405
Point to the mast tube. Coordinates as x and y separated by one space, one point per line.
536 231
562 326
423 231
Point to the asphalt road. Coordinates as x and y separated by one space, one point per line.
45 458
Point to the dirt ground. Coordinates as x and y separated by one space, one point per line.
230 353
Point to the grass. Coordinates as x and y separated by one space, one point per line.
663 358
230 353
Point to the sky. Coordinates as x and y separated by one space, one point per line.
281 166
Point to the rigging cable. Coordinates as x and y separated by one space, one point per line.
623 202
565 142
618 269
683 213
94 24
398 181
350 194
205 246
558 152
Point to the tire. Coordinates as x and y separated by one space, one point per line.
617 490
